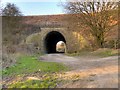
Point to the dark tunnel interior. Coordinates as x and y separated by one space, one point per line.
51 40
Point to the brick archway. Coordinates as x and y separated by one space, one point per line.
69 39
51 40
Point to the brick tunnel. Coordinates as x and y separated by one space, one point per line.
51 39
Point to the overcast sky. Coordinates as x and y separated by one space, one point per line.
38 7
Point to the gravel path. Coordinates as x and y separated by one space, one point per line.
95 72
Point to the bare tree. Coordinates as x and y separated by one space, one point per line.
11 22
98 16
11 10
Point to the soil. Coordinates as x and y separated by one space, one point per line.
86 71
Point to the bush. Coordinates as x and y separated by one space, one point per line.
112 44
7 60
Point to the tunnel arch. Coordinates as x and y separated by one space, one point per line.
51 40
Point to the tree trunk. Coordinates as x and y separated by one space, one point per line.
100 41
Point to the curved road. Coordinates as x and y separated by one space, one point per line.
91 71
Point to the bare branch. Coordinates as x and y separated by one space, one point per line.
95 15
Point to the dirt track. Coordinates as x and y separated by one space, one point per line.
91 72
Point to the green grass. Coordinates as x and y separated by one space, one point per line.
30 64
47 82
102 52
106 52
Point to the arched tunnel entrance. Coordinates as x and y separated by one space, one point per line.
51 39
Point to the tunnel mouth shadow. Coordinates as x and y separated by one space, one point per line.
51 40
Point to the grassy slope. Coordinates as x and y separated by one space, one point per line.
30 64
100 53
105 52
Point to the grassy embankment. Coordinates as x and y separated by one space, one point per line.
30 65
99 53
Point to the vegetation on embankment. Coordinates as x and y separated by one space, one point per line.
105 52
47 81
102 52
27 66
30 64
